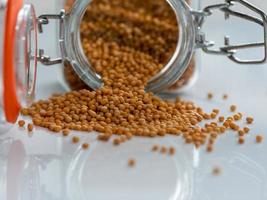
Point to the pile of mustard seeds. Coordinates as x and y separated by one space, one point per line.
122 107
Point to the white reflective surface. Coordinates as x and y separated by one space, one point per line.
48 167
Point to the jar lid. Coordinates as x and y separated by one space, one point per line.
19 64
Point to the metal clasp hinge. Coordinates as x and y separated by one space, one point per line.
44 20
231 50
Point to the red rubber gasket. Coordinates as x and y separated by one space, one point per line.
10 99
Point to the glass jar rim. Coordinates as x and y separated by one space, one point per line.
170 73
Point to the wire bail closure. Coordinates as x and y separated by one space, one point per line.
44 20
231 50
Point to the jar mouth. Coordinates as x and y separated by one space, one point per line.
74 49
169 74
183 53
26 54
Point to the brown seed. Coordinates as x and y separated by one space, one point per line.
209 148
249 120
225 96
241 140
236 117
233 108
246 129
30 127
131 162
241 133
24 111
259 138
116 141
216 171
21 123
75 139
210 95
66 132
103 137
216 111
85 146
221 119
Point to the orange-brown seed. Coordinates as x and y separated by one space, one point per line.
259 138
75 139
30 127
21 123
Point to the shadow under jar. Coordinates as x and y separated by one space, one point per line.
112 31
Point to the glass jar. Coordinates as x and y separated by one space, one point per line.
182 69
21 54
159 10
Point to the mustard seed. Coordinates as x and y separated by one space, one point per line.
210 95
221 119
259 138
246 130
116 141
21 123
209 148
233 108
241 140
66 132
249 120
30 127
103 137
241 133
85 146
75 139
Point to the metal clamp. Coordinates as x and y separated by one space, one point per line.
41 21
231 50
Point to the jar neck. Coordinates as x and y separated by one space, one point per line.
180 60
73 47
172 71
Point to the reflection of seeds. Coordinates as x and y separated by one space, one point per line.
163 150
155 148
172 151
225 96
216 171
131 162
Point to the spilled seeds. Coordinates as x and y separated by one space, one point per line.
122 107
